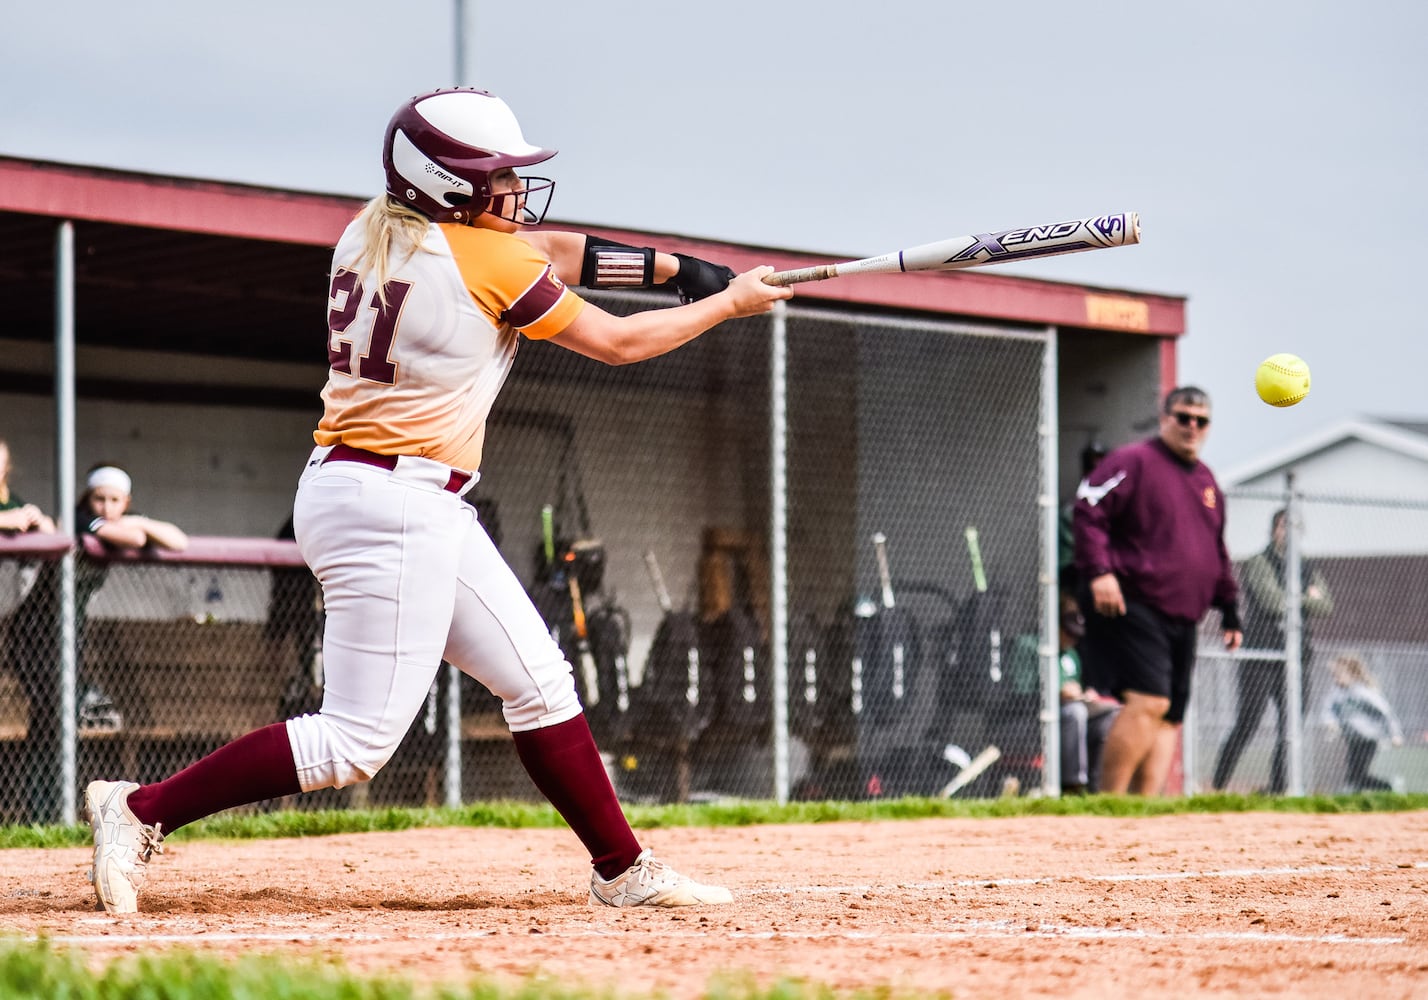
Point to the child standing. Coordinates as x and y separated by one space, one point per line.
1365 719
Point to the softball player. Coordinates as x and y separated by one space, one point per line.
431 287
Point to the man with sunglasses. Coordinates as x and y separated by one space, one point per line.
1150 552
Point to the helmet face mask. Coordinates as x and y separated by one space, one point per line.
525 206
442 148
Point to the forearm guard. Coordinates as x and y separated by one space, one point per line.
615 265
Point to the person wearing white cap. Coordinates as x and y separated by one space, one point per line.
104 511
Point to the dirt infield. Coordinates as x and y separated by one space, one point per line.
1178 906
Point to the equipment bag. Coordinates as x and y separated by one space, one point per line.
608 629
673 700
736 662
888 658
978 677
809 690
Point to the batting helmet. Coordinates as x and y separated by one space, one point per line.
441 149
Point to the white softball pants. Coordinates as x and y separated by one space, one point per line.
409 578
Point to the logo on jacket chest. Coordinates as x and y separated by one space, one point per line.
1208 498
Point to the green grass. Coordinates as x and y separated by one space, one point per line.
35 970
239 825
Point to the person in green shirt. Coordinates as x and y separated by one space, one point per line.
17 516
1086 714
1260 681
21 629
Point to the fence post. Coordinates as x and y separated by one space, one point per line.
451 777
1293 643
778 545
1049 428
65 498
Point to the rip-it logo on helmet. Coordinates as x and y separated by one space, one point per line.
426 180
443 147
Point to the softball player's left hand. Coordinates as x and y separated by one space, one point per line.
751 295
698 279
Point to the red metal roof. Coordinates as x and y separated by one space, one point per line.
131 199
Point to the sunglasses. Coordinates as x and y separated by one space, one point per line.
1186 419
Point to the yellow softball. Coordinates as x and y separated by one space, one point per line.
1282 379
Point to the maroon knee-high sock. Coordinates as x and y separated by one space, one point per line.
250 769
565 765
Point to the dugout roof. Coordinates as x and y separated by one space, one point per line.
233 270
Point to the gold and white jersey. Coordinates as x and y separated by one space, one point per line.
417 375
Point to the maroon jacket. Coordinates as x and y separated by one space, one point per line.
1158 524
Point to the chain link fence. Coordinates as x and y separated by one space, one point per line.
1349 646
813 558
877 490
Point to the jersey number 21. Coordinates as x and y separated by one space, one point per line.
375 364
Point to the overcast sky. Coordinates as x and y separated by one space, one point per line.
1277 151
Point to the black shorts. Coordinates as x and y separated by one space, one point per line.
1142 651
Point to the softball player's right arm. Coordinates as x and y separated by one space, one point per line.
620 340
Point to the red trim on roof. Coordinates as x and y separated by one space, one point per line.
1168 370
94 195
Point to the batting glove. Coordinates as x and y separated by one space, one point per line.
698 279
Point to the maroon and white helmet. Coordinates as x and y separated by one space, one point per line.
442 147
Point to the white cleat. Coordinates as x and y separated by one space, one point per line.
650 882
122 845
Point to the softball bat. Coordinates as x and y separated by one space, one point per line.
971 772
1074 236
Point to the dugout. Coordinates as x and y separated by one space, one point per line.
915 406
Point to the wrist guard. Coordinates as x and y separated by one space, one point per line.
698 279
615 265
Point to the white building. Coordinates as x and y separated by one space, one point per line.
1364 485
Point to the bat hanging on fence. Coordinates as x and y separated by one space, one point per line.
971 772
657 581
547 534
974 550
880 550
899 647
588 674
1074 236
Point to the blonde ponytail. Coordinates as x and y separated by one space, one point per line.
389 226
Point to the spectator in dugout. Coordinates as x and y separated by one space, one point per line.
104 512
1086 714
17 516
38 757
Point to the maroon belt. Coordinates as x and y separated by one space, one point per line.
346 453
